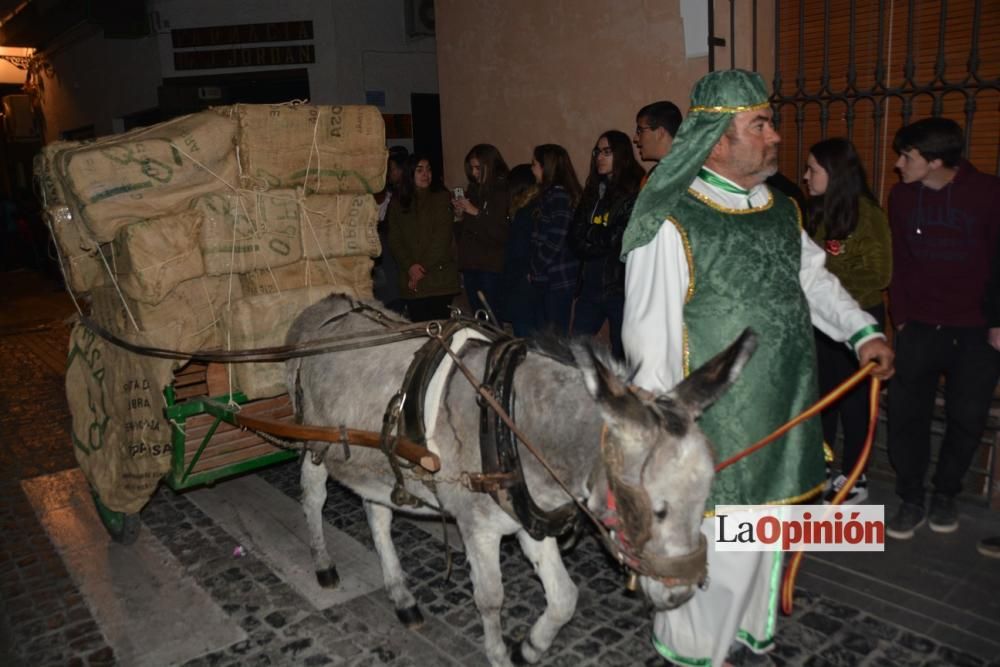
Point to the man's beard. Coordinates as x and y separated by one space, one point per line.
767 167
770 167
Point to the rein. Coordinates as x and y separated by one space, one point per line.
808 413
791 572
389 334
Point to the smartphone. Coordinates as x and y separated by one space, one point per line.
458 193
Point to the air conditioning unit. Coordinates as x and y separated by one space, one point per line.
419 18
19 118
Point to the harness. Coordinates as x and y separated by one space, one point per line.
503 475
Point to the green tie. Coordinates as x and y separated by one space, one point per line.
723 184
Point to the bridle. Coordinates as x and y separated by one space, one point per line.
627 542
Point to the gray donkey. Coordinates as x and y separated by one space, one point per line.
602 437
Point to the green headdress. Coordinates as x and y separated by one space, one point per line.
715 99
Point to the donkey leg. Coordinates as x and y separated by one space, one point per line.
380 523
482 548
313 482
560 595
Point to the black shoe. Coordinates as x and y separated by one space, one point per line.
908 518
989 547
943 515
858 494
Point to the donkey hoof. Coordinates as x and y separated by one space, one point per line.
410 617
524 653
328 578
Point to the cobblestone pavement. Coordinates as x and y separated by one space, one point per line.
47 622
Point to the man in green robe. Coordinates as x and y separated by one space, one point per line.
710 250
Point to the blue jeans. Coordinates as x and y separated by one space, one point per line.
487 282
590 314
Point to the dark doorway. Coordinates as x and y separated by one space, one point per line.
183 95
426 110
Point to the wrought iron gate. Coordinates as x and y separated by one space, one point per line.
864 69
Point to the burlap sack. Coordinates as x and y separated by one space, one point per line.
153 256
120 436
339 226
148 172
248 230
350 275
48 184
188 319
78 255
326 149
263 321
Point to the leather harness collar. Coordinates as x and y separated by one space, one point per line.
499 451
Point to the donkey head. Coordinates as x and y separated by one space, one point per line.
658 469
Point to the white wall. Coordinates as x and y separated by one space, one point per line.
359 45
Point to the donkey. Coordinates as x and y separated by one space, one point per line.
600 436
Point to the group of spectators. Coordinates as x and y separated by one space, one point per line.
528 245
711 244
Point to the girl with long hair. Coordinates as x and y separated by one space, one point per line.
520 307
845 219
482 231
596 236
421 241
554 266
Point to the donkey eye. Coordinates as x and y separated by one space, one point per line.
661 513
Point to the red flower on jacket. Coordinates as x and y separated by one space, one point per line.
834 247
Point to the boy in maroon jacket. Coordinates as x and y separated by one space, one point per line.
945 218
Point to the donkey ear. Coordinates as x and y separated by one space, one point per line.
601 381
707 384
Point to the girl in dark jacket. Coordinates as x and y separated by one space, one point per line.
596 236
520 298
421 241
482 231
554 266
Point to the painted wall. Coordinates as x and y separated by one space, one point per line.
359 45
519 73
91 81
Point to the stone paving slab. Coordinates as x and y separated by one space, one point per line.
138 593
272 525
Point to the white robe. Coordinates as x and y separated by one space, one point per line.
741 601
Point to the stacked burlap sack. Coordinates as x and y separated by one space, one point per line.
209 231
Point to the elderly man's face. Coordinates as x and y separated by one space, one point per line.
749 148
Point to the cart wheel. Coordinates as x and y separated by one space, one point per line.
123 528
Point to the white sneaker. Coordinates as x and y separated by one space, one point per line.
857 495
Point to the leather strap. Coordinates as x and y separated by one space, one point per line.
418 376
499 449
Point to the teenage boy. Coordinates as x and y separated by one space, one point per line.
945 217
655 127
